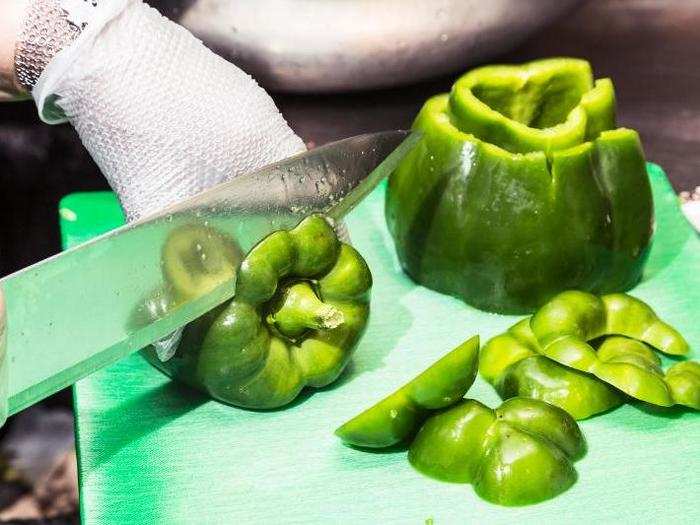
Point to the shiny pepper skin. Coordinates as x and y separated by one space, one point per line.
300 308
684 381
518 454
397 417
565 326
634 368
513 364
521 187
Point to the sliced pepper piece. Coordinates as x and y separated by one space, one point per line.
635 369
565 324
301 306
564 327
520 187
396 417
512 363
518 454
684 380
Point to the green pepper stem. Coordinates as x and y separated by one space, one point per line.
298 309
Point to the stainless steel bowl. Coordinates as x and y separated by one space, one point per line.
341 45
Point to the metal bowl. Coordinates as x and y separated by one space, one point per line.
342 45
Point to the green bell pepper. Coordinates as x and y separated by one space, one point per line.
684 381
396 417
197 259
565 325
520 453
300 308
520 187
634 368
512 363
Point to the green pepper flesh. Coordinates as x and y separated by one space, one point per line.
520 188
518 454
512 363
566 325
396 417
300 308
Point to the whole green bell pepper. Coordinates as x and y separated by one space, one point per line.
520 187
520 453
512 363
300 308
396 417
564 327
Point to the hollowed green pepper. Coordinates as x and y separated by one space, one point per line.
520 453
565 326
520 187
300 308
397 417
512 363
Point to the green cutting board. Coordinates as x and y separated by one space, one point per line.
151 451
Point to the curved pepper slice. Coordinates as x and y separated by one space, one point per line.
520 187
301 306
565 325
512 363
684 381
396 417
634 368
520 453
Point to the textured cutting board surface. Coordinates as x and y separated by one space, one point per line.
153 452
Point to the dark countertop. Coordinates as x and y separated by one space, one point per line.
649 48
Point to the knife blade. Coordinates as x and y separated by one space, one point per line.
74 313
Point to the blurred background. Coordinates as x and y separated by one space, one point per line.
334 72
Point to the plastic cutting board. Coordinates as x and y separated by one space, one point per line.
151 451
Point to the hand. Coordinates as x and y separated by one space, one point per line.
163 117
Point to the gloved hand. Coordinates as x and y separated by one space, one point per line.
163 117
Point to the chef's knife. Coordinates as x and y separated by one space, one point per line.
75 313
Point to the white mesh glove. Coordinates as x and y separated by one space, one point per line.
163 117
